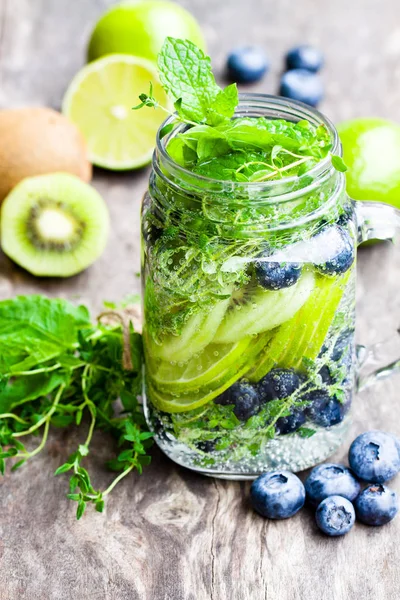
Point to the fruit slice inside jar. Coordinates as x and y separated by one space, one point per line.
258 310
196 334
201 370
174 396
303 336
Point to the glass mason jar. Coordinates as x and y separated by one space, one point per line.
249 309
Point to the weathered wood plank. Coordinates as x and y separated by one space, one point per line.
172 535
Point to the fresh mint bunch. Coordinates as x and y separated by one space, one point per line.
262 149
57 367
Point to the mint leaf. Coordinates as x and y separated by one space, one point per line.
185 73
20 390
224 105
338 163
34 329
306 432
205 141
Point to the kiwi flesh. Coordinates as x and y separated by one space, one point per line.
253 309
54 225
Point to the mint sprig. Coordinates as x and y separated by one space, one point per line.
186 75
58 368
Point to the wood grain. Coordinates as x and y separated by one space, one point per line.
170 534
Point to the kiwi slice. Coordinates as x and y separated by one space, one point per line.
304 334
253 309
196 335
178 399
54 225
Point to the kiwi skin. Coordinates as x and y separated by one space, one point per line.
37 141
54 225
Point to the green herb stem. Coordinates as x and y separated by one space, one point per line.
13 416
46 418
118 479
34 371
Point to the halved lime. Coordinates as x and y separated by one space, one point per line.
99 101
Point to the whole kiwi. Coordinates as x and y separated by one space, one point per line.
38 141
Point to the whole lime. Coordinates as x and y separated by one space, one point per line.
371 150
140 27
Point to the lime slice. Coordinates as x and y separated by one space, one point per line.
201 370
263 310
140 28
99 101
182 401
196 334
303 336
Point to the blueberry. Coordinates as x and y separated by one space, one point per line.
396 440
304 57
291 423
206 445
331 480
244 397
277 494
376 505
325 375
335 516
338 246
374 456
278 384
344 341
247 64
302 85
276 276
325 410
347 214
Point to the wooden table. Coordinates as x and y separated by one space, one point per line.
172 535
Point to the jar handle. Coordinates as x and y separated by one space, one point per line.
376 220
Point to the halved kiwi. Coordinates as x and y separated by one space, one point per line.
54 225
253 309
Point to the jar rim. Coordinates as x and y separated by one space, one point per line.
250 102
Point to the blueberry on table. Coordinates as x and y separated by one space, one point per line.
302 85
291 423
278 384
277 494
335 516
374 456
376 505
244 397
325 410
276 276
339 247
247 64
305 57
331 480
